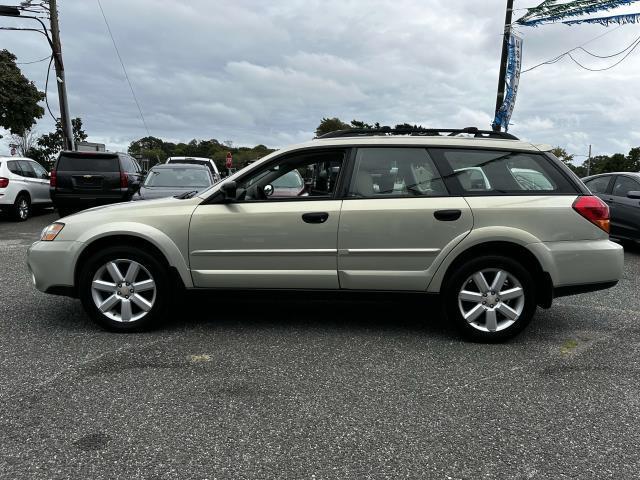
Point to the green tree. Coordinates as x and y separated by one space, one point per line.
19 97
328 125
51 144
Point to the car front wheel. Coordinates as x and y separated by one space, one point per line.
491 298
124 289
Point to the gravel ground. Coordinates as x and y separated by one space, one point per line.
291 387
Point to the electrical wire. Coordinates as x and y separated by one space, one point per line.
135 99
46 89
612 55
35 61
562 55
609 67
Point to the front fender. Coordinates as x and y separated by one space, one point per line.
158 238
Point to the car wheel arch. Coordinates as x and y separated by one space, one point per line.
515 251
126 240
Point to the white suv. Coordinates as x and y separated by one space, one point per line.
377 212
24 183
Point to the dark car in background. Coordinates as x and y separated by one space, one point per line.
621 191
81 180
174 179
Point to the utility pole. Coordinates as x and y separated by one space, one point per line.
589 162
503 61
65 118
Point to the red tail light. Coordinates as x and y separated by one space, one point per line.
53 178
124 180
594 210
4 182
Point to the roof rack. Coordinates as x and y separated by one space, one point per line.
418 131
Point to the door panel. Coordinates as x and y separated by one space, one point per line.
389 244
625 211
264 245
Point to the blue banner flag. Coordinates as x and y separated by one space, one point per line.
512 78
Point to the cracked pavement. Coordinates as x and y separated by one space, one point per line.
300 386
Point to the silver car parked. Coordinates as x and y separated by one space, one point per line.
380 212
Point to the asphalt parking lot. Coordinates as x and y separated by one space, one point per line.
296 388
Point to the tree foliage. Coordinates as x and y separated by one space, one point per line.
50 144
19 97
157 150
601 163
330 125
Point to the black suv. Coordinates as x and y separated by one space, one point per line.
85 179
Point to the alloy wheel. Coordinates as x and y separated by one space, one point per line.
123 290
491 300
23 208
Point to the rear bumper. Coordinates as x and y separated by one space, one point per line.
580 264
87 199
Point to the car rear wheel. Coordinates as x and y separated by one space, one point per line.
491 298
124 289
21 209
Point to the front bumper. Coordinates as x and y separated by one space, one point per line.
52 265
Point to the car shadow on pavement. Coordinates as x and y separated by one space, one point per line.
36 212
334 310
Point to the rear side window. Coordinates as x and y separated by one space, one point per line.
88 164
487 172
397 172
599 184
14 167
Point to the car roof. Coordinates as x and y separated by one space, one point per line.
633 174
190 158
8 157
180 166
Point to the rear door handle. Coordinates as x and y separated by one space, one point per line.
315 217
447 215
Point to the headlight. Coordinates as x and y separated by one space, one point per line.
51 232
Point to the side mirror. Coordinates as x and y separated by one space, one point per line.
228 189
634 194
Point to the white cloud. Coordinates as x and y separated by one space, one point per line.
267 72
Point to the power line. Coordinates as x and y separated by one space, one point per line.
610 67
135 99
35 61
562 55
46 89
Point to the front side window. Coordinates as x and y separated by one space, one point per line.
40 171
303 176
486 172
398 172
624 185
598 184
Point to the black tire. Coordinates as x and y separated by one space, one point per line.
18 212
154 268
461 277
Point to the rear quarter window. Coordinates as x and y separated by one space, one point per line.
88 164
491 172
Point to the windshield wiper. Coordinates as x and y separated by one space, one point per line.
186 195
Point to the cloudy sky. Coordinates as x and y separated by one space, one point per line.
253 71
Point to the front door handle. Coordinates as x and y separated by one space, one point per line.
447 215
315 217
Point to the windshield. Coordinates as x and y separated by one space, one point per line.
89 163
290 179
178 177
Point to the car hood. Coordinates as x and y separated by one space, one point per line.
148 193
